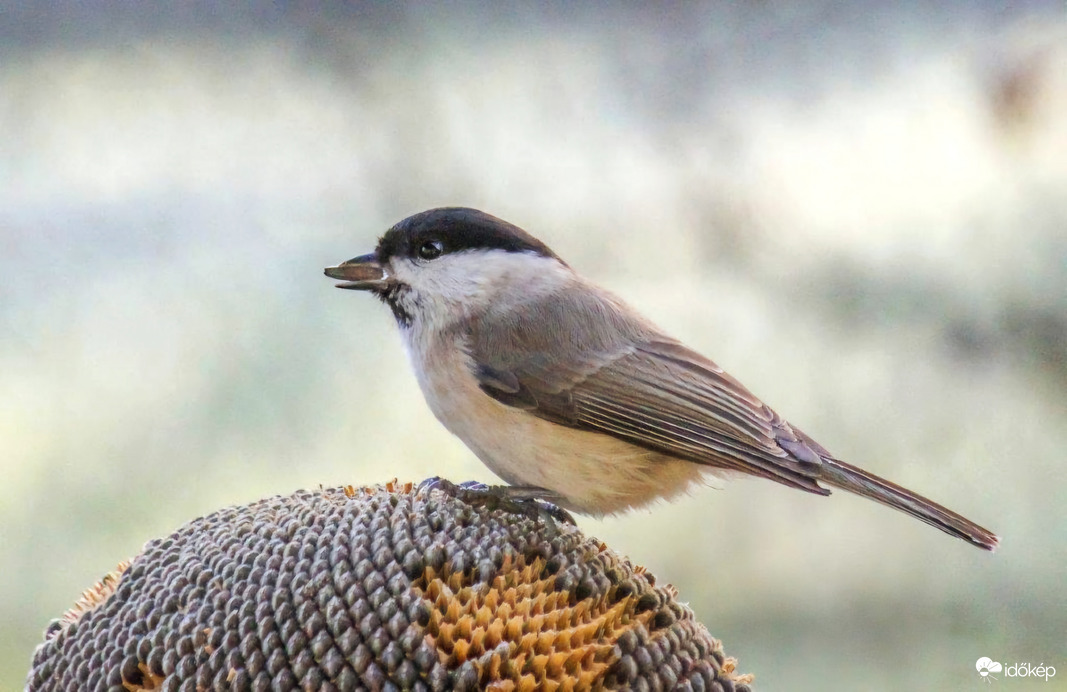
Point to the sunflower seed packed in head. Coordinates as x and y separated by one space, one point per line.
378 588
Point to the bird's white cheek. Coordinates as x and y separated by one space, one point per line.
459 285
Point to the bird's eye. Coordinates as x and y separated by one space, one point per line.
431 249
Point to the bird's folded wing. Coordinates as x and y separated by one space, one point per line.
660 395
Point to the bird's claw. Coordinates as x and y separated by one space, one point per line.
529 501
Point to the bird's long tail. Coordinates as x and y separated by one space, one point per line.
848 477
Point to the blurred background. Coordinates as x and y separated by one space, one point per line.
858 209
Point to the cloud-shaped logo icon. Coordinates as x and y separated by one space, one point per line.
985 666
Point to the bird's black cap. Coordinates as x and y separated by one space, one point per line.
458 229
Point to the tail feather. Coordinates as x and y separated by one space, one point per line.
855 480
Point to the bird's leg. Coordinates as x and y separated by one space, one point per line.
546 501
528 500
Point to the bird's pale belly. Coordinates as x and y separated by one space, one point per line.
597 474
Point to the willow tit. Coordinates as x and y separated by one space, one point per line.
560 387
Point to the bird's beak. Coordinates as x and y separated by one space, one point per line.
363 273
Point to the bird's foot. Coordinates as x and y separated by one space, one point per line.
526 500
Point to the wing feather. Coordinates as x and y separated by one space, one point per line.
632 382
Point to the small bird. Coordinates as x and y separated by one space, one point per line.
566 392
